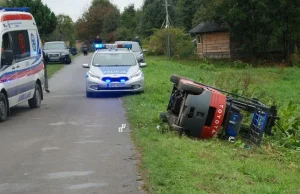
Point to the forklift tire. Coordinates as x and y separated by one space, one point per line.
163 117
175 79
190 88
180 132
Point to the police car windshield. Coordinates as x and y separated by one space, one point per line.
52 46
114 59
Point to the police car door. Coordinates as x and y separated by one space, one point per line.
22 53
8 75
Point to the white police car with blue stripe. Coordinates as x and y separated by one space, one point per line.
114 68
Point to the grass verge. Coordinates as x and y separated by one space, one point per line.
174 165
52 68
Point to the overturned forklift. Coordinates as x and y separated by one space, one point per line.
202 111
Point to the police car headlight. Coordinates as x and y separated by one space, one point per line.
137 74
91 74
63 54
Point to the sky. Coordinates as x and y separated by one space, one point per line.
75 8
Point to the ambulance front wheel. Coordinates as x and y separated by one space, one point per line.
3 107
35 102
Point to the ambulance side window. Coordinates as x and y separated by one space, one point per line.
21 44
6 46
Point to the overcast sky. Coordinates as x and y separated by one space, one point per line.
74 8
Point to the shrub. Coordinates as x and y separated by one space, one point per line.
290 122
124 34
240 65
295 60
180 43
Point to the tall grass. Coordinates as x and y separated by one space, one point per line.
174 165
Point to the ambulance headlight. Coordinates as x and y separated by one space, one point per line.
137 74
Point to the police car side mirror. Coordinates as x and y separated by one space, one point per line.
9 57
144 50
143 64
85 65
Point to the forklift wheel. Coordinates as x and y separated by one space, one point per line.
190 88
180 132
175 79
163 117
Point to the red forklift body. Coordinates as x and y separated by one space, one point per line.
218 107
202 113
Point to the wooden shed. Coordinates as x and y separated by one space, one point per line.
213 41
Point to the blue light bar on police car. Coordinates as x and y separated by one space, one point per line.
112 46
24 9
99 46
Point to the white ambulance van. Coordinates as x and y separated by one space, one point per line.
21 65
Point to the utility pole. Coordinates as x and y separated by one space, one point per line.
167 20
167 14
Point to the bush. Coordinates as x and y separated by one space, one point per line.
180 43
295 60
290 122
240 65
124 34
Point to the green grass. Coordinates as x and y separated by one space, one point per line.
174 165
53 68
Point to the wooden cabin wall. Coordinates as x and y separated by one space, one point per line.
214 45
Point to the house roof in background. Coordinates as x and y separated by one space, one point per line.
207 27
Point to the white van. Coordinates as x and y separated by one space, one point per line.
21 66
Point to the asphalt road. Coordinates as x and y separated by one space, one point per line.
71 144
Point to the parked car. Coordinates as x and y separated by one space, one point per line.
136 49
57 51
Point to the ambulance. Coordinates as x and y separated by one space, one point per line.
21 65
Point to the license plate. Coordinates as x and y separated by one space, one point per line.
116 85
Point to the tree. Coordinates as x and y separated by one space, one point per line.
262 26
65 30
2 3
128 26
185 12
154 15
44 17
128 17
101 18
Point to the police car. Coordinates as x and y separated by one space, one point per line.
21 66
114 68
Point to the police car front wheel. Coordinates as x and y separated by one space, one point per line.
35 102
3 107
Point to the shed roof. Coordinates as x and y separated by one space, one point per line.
207 27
